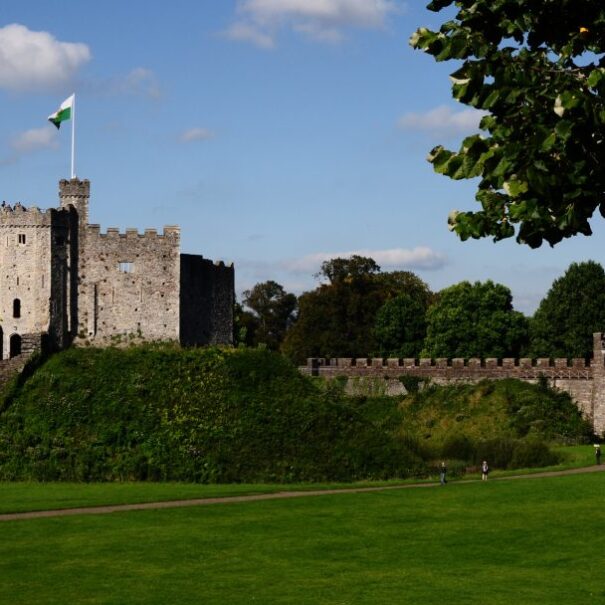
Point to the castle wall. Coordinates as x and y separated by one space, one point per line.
584 382
207 299
131 286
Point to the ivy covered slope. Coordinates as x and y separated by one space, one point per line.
508 422
498 407
204 415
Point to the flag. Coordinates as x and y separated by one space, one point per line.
63 113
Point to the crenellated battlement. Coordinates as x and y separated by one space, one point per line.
442 362
450 369
74 188
169 232
18 215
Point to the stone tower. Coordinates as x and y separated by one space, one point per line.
598 377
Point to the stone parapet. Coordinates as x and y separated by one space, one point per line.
131 233
450 368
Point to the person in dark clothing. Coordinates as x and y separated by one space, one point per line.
597 453
484 470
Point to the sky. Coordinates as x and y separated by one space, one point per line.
276 133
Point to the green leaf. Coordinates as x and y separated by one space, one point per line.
563 129
596 77
515 187
548 142
491 99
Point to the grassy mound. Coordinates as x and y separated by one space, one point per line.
205 415
508 422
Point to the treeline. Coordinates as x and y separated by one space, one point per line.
359 310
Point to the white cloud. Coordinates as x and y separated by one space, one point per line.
34 139
324 20
32 61
442 120
196 134
138 81
421 257
361 13
244 32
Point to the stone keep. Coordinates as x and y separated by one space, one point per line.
63 282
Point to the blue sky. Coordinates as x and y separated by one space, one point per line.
277 133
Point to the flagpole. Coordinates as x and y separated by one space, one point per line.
73 137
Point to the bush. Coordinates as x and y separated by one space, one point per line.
460 447
530 453
498 451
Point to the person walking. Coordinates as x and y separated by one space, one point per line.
442 472
484 470
597 453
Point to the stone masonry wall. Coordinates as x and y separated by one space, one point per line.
584 382
207 299
132 285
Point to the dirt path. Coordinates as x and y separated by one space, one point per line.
119 508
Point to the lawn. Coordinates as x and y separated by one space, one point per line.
500 542
23 496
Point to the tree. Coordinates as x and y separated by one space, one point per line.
571 311
400 327
338 270
337 318
245 324
475 320
274 311
537 70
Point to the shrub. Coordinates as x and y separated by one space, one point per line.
411 383
498 451
459 446
530 453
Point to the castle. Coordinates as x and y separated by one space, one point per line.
64 282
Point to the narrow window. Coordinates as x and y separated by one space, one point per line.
17 281
16 308
125 267
21 238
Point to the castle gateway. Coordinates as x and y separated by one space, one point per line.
64 281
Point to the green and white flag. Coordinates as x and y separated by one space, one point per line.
63 113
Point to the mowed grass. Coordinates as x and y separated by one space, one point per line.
501 542
24 496
34 496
